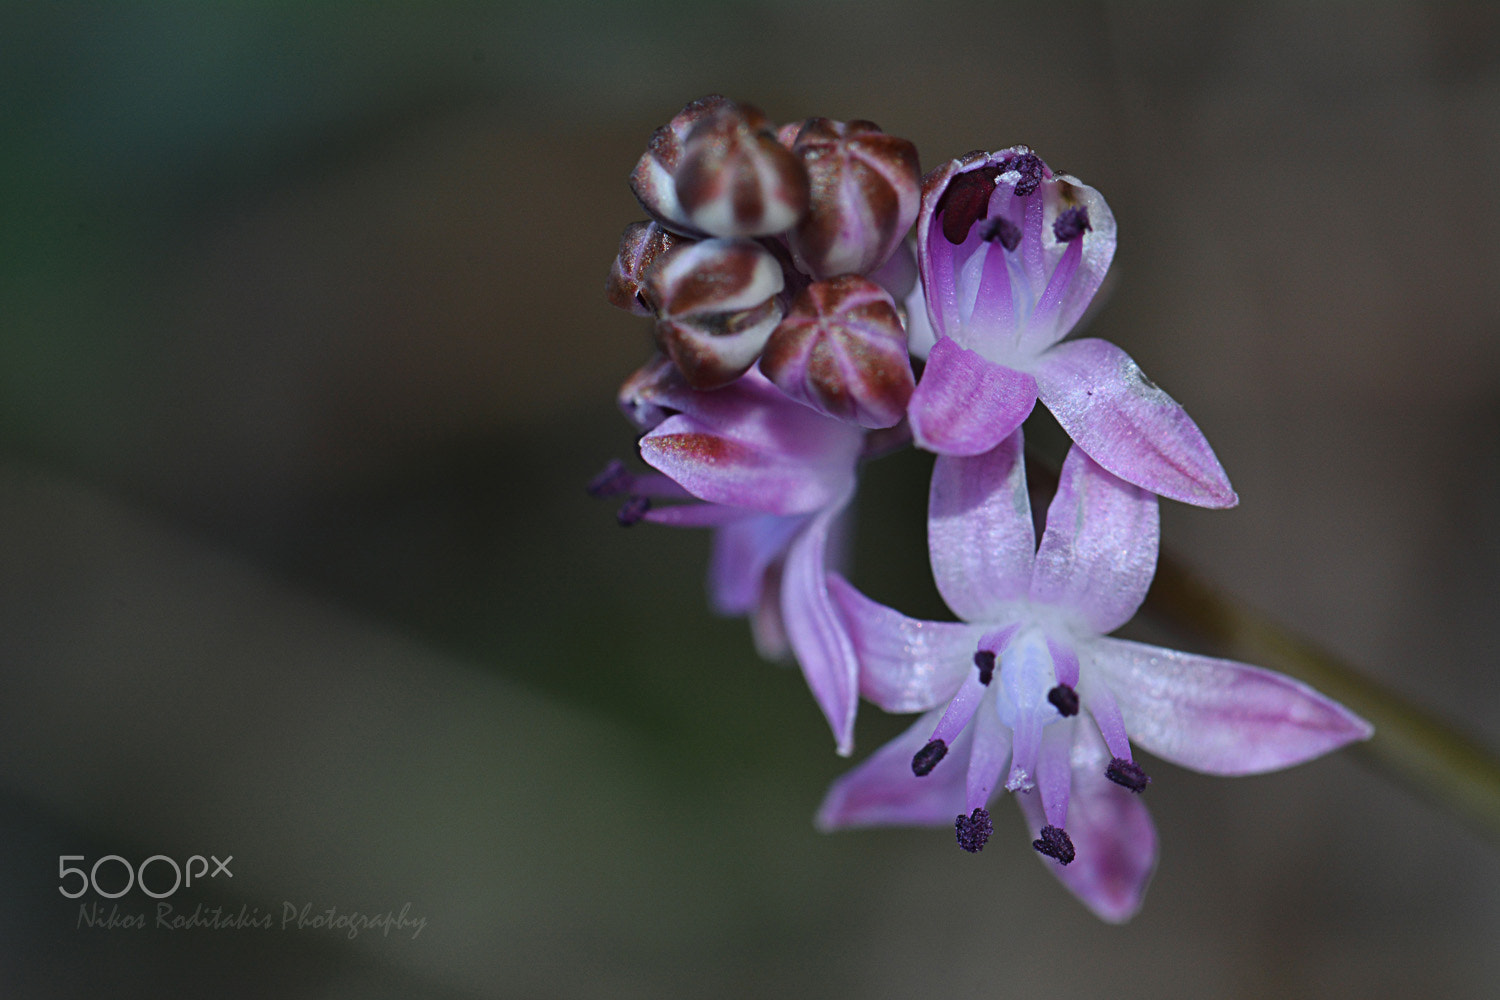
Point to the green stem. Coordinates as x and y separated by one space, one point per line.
1411 745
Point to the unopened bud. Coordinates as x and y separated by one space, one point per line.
716 304
640 245
654 178
842 351
736 178
866 188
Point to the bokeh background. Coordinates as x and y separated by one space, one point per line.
305 360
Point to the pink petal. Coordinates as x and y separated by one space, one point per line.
1057 314
1127 424
966 405
884 791
979 531
816 631
747 445
742 551
1219 716
1112 833
905 665
1098 554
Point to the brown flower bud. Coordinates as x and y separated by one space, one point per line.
640 245
841 350
653 179
736 178
866 189
716 304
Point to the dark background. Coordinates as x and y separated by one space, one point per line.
304 362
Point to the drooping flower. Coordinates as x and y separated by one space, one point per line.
772 477
1011 254
1027 693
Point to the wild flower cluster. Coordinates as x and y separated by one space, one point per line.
816 302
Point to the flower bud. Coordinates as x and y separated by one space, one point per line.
651 393
653 179
716 304
736 179
866 190
841 350
640 245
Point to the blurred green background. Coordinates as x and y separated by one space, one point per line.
305 361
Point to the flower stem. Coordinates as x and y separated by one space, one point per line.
1411 745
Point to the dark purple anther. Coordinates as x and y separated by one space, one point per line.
966 201
974 830
985 661
1071 224
927 758
1064 699
1056 844
1001 230
632 511
614 480
1032 171
1127 773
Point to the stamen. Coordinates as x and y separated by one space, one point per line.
1071 224
1001 229
966 201
632 511
1030 167
1056 844
614 480
974 830
985 661
1127 773
928 757
1064 699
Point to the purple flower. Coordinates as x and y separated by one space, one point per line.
773 478
1026 693
1011 254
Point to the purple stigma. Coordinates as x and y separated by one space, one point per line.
1127 773
985 661
974 830
1056 844
1064 699
614 480
1001 230
927 758
1030 167
965 201
632 510
1071 224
